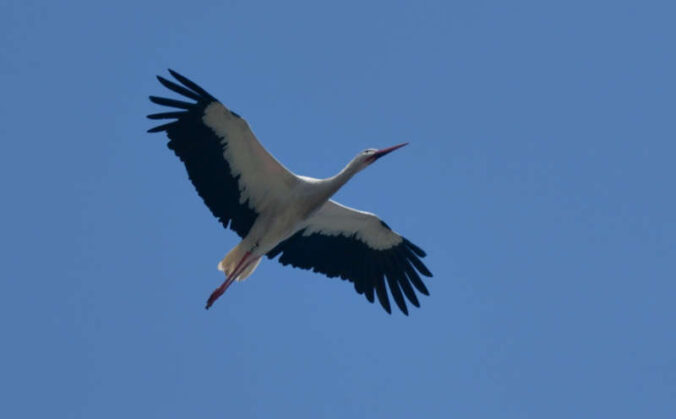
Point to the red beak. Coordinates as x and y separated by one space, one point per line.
380 153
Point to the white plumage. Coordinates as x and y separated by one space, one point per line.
334 219
277 212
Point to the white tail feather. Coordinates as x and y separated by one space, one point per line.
249 269
232 259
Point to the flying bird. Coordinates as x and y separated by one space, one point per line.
277 212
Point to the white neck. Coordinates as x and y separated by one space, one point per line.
341 178
331 185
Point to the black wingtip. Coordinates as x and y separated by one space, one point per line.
171 102
395 291
415 248
423 270
381 290
160 128
191 85
175 73
417 262
180 89
167 115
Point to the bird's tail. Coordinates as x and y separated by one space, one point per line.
232 260
249 269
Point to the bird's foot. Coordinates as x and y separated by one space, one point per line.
214 295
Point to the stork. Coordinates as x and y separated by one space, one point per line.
277 212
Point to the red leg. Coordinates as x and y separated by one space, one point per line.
228 280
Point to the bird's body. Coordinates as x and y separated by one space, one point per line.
276 211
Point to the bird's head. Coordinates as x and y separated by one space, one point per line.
368 156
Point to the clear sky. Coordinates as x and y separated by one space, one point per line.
539 178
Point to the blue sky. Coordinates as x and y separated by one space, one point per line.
539 179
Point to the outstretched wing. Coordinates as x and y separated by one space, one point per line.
343 242
232 172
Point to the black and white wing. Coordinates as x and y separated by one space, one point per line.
343 242
232 172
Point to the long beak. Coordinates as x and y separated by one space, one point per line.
380 153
